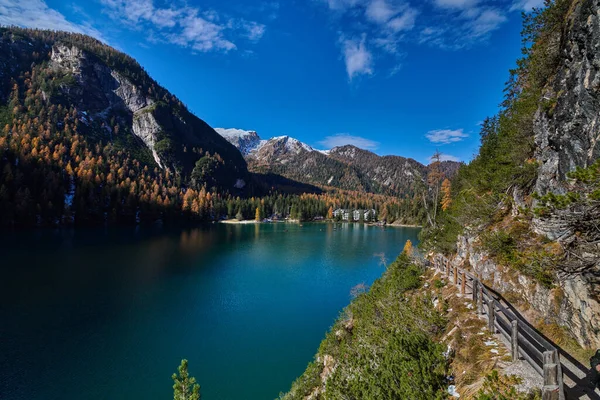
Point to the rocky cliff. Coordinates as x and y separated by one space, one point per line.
567 130
567 125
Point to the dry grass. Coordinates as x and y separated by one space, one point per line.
466 335
565 340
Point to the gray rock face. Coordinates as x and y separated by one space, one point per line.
146 128
101 89
567 129
571 305
567 135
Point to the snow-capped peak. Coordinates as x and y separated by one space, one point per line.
233 133
292 145
245 141
251 145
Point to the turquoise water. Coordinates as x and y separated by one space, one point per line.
108 314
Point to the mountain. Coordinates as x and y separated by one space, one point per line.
245 141
84 127
345 167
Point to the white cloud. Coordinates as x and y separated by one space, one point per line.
380 11
457 4
488 21
342 139
404 22
359 60
37 14
381 25
468 27
254 30
446 136
200 30
526 5
445 157
342 5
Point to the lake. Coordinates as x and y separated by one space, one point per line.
109 314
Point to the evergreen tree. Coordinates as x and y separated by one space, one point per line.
184 386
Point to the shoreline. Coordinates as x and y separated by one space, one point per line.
295 221
404 225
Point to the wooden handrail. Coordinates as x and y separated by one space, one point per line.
532 346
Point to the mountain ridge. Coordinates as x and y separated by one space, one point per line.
344 167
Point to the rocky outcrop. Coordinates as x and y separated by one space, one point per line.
101 89
570 304
146 128
567 125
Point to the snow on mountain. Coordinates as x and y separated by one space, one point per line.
290 144
245 141
251 145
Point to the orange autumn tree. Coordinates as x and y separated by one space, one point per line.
446 196
408 248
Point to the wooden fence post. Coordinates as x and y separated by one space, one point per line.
463 283
475 291
491 316
447 268
480 295
550 390
514 340
455 275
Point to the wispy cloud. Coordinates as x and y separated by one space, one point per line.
526 5
37 14
200 30
342 139
358 59
472 23
446 136
379 25
456 4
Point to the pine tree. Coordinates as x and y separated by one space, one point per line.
330 213
257 214
184 386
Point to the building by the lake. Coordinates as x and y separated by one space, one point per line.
354 215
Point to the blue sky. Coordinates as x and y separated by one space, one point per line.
400 77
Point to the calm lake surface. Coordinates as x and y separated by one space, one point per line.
109 314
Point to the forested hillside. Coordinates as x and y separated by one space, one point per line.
87 133
525 212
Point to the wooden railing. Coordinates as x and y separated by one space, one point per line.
503 318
